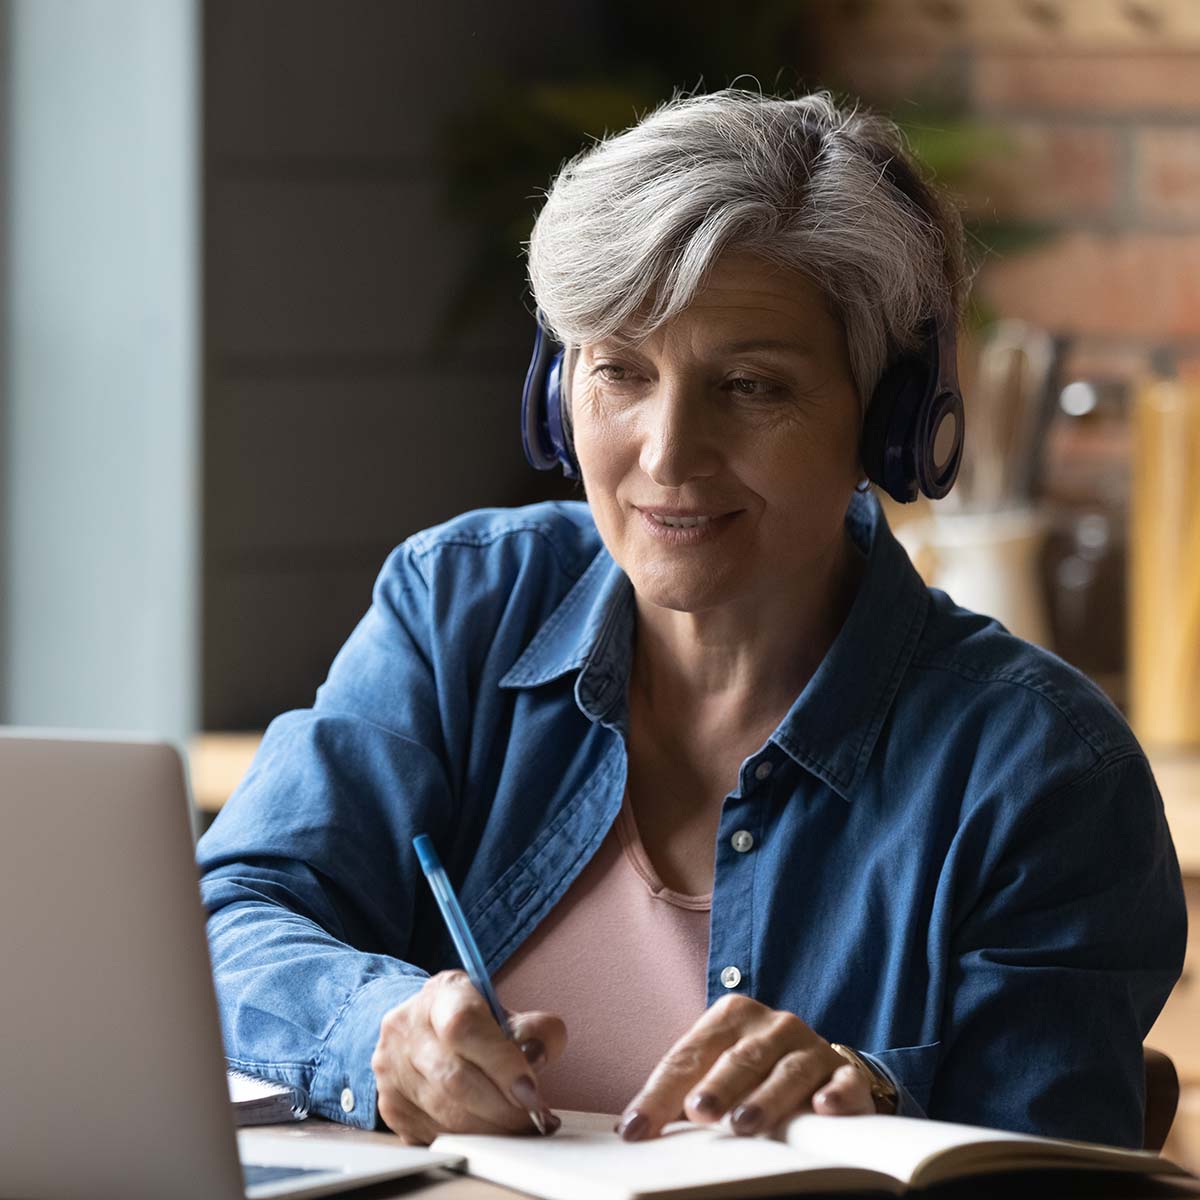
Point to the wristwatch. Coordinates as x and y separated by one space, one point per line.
883 1090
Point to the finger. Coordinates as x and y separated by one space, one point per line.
848 1093
465 1029
410 1065
788 1088
745 1065
404 1118
458 1096
540 1036
686 1063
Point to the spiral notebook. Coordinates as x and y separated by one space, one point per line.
264 1101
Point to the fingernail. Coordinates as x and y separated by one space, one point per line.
634 1127
534 1051
746 1119
705 1102
525 1093
552 1122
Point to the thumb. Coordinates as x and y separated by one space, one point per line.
541 1036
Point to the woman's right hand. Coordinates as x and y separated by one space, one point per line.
442 1065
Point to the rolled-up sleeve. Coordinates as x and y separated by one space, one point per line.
307 873
1069 943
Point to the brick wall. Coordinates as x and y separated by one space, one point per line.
1096 108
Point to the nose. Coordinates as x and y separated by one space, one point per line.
678 443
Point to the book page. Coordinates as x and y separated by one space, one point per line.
920 1151
586 1160
245 1089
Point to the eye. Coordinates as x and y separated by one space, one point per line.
743 385
613 373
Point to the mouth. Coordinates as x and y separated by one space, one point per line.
685 526
672 522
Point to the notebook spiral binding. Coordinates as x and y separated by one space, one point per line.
265 1101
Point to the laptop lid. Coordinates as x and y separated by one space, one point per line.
114 1082
112 1047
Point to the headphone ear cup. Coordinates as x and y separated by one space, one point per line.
556 424
912 440
888 455
543 432
939 440
874 435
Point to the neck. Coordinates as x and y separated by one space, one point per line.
744 663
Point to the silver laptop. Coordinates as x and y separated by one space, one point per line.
113 1078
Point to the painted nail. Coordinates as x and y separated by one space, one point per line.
705 1103
534 1051
746 1119
525 1093
633 1128
552 1121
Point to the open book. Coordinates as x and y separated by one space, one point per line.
586 1160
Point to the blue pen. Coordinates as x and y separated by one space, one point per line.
464 941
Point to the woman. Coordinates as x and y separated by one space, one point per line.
745 819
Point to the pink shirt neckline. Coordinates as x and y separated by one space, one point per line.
635 851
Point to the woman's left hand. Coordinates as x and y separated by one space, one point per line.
756 1062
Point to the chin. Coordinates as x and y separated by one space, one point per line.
681 591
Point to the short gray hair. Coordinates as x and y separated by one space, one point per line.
632 224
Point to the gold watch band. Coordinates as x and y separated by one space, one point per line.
883 1090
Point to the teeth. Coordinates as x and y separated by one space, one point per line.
681 522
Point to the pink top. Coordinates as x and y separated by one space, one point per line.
623 960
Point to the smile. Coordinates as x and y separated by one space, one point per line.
684 528
679 522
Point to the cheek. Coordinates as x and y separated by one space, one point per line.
603 453
805 455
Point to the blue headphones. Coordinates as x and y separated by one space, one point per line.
912 439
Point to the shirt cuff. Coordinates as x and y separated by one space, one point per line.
343 1083
906 1106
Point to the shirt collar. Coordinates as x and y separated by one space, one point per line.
591 631
833 725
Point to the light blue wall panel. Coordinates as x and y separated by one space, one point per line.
102 441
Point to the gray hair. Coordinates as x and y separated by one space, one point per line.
632 225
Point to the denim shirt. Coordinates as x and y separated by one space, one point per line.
960 864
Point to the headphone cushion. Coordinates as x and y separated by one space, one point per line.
887 448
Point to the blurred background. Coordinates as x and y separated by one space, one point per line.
262 316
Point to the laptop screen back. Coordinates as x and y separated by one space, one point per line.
114 1081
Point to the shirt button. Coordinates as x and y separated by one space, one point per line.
763 770
347 1100
742 841
731 977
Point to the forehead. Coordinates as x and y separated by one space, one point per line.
742 282
743 294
